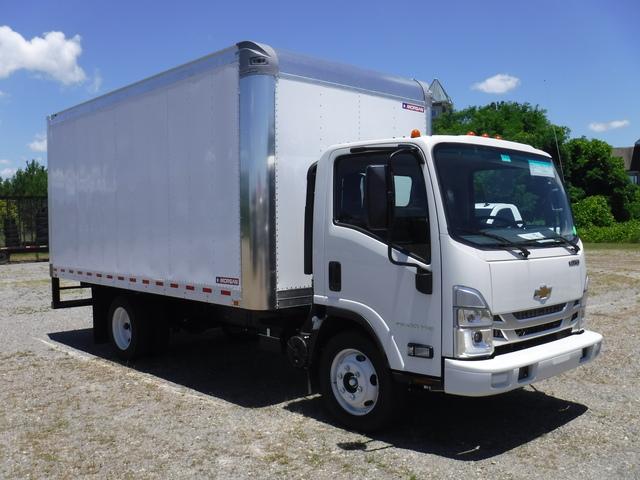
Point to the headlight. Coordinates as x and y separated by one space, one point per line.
474 317
473 336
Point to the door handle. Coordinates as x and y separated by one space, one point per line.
335 276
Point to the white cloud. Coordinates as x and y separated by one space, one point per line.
96 82
7 172
52 54
2 94
604 126
4 161
39 143
500 83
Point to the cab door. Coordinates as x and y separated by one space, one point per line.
357 274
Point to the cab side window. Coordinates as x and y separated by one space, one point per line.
410 229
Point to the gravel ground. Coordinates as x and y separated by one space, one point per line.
210 408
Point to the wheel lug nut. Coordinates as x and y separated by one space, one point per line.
357 374
359 389
340 376
347 368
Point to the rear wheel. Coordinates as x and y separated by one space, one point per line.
128 328
356 384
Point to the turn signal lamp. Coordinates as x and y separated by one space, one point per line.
415 133
498 137
473 134
485 135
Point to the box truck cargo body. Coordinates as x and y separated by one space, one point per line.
296 199
194 180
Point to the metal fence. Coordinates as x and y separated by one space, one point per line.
24 224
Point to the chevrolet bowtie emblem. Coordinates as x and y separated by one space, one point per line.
543 293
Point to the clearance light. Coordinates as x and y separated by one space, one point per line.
498 137
415 133
473 134
485 135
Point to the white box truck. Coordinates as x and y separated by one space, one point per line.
265 191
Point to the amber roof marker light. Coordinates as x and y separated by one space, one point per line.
471 133
415 133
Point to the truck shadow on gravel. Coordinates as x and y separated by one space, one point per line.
234 370
465 429
459 428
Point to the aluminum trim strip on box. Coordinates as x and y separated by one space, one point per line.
257 192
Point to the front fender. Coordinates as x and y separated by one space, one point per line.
371 321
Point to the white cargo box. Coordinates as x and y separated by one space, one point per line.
192 183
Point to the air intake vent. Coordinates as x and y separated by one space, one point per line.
539 312
521 332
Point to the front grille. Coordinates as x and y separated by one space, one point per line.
513 347
521 332
538 312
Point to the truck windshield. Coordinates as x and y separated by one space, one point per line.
492 196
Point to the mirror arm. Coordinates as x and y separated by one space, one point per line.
424 278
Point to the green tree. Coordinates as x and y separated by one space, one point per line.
30 181
5 186
590 170
518 122
634 207
593 211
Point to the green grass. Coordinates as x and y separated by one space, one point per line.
29 257
612 246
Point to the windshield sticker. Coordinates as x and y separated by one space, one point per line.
505 158
532 236
538 168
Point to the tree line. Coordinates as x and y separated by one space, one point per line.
26 182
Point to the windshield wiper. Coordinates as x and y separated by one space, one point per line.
561 239
506 243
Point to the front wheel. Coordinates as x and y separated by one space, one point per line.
356 385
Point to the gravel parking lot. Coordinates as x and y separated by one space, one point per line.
214 408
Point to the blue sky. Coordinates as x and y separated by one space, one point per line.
580 60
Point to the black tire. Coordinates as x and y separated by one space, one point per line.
390 396
138 327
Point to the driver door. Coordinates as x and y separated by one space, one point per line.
358 274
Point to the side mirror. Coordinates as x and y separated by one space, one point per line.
375 196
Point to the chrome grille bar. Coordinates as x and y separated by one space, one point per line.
524 325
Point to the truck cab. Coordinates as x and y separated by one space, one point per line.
435 294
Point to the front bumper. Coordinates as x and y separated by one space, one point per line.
478 378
